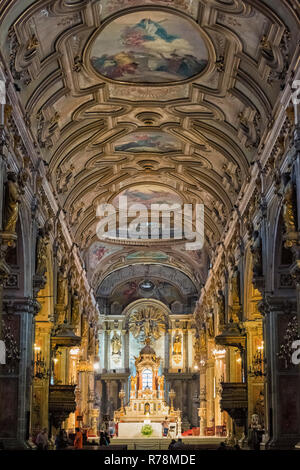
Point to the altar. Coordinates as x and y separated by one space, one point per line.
134 430
147 404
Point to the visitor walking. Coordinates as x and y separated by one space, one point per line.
78 441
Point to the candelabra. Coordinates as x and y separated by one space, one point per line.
40 369
122 396
257 367
172 395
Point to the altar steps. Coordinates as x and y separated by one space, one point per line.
148 443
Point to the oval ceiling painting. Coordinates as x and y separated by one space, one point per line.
149 47
158 142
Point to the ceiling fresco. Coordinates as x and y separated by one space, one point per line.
155 142
148 194
164 101
149 47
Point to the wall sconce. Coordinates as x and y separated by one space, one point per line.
219 353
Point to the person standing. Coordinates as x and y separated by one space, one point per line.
165 426
78 441
42 440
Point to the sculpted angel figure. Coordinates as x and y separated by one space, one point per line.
12 203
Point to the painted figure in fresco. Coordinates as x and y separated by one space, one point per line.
116 344
12 202
144 50
177 345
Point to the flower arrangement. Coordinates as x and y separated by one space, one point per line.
147 430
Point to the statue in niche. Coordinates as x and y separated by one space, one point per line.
11 211
147 409
210 326
75 309
289 207
221 307
235 286
116 344
61 286
177 345
256 250
41 251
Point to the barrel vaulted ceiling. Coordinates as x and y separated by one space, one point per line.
171 95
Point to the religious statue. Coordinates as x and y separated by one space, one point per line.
116 344
11 203
147 409
75 309
256 250
235 308
210 326
41 252
133 383
289 205
221 307
61 286
177 345
160 381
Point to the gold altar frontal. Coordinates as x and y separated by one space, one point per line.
147 404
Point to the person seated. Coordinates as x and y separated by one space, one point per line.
179 444
171 445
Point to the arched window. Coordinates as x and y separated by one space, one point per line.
147 379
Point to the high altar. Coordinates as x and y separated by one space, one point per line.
147 404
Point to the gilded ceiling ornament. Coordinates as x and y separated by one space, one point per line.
149 321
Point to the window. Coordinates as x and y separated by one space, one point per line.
147 379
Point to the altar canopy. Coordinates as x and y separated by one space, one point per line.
147 403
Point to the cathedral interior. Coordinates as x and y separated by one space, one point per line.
178 102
